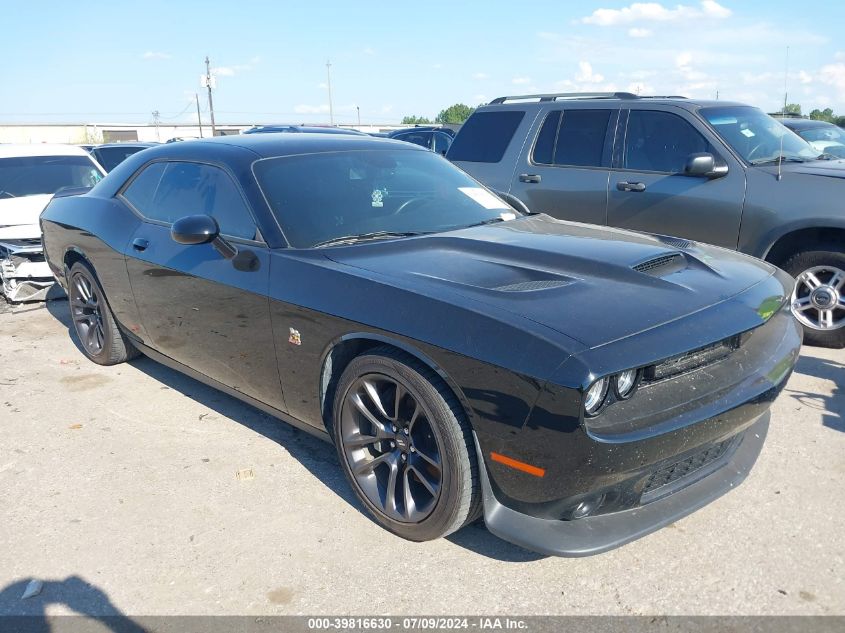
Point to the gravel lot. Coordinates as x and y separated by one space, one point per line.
119 489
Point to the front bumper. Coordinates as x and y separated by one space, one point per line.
24 275
596 534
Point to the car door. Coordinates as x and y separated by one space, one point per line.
197 307
564 171
648 188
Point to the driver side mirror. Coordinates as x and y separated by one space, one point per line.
704 165
201 229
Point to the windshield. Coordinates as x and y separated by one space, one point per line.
32 175
321 197
756 136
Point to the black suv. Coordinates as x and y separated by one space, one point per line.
712 171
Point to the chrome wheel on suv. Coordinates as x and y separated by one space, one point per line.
818 299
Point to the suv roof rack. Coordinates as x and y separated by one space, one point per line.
562 96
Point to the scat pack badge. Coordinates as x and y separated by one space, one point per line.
294 338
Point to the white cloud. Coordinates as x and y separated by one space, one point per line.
231 71
587 75
834 75
656 12
155 55
481 76
639 32
369 51
521 81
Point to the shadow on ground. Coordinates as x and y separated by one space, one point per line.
317 456
832 406
30 615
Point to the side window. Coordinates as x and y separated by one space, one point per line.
142 190
440 142
545 146
169 191
485 136
580 138
661 141
417 138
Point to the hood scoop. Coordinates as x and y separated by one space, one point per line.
662 265
528 286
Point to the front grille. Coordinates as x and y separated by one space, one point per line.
684 468
689 361
662 264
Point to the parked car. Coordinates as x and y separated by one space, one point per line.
29 176
711 171
313 129
436 139
110 155
825 137
461 355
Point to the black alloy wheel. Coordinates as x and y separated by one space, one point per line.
99 336
405 445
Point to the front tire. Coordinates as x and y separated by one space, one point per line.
818 301
95 326
405 446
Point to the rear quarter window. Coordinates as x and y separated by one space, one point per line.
485 136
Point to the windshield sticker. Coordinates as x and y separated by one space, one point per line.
378 198
747 132
483 197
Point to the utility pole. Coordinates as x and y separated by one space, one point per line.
210 102
199 118
329 84
359 115
156 117
786 81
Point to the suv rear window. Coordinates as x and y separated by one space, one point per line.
485 136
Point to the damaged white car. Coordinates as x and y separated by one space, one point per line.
29 176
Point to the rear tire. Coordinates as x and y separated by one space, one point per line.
421 484
93 322
820 275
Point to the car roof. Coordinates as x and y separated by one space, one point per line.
803 124
15 150
279 144
316 129
537 100
127 144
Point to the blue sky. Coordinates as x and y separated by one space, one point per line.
117 62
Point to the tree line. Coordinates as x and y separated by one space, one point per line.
454 114
817 115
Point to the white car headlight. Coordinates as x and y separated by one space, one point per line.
594 397
625 383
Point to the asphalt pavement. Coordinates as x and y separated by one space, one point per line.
136 490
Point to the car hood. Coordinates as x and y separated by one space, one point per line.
591 283
23 211
829 168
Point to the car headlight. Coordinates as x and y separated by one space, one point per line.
595 395
626 382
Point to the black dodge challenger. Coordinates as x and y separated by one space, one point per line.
579 386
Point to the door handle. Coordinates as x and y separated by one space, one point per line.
630 186
139 244
529 178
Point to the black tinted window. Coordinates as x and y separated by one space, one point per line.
417 138
661 141
32 175
440 142
111 157
143 188
485 136
580 138
169 191
321 196
545 146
